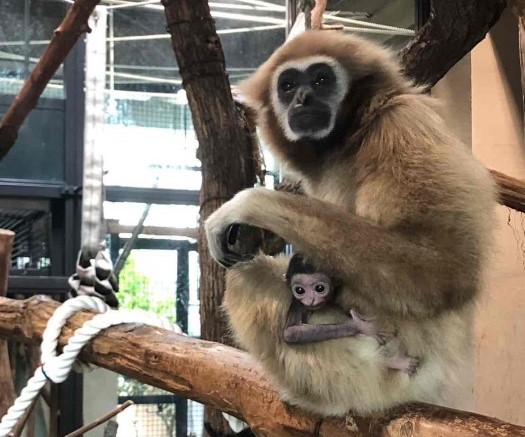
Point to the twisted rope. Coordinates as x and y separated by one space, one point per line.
56 368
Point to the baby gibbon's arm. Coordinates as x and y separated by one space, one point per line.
401 273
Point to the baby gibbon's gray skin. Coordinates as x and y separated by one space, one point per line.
313 291
395 206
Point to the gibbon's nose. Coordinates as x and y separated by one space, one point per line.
309 301
303 96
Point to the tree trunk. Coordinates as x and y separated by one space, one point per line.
454 28
225 147
7 388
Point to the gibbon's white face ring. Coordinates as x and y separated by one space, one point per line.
281 110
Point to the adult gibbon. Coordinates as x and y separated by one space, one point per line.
396 207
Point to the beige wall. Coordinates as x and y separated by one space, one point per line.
497 140
483 100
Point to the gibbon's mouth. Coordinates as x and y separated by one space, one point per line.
315 307
308 121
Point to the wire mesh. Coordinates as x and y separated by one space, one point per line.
157 416
31 248
155 111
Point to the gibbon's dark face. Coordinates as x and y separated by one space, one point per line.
306 96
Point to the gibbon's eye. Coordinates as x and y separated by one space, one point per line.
320 80
299 290
319 288
286 86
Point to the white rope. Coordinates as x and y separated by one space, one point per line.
55 367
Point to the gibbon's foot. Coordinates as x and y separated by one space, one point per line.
403 363
365 325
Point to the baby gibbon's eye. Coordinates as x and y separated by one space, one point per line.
299 290
320 288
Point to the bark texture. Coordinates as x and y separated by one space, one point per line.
231 380
65 37
511 190
7 388
453 29
226 146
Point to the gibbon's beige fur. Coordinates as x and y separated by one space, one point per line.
397 208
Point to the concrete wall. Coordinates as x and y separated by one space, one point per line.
100 397
483 105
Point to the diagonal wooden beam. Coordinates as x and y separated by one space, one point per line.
511 190
232 381
65 37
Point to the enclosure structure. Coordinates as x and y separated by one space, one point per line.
144 101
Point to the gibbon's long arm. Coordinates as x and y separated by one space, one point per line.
400 273
303 333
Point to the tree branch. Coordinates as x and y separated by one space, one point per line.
453 29
65 37
231 380
511 190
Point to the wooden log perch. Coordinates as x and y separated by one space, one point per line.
231 381
65 37
453 29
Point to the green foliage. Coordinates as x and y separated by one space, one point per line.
135 293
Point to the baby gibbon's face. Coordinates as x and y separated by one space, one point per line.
313 290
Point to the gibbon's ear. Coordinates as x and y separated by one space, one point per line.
255 90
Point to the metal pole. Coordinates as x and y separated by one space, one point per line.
291 15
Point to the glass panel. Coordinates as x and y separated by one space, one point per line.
39 151
25 29
176 216
149 138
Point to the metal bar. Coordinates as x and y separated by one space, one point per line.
74 78
291 15
33 189
183 287
181 417
37 284
152 195
70 401
422 12
366 24
114 247
27 35
70 395
149 399
160 244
